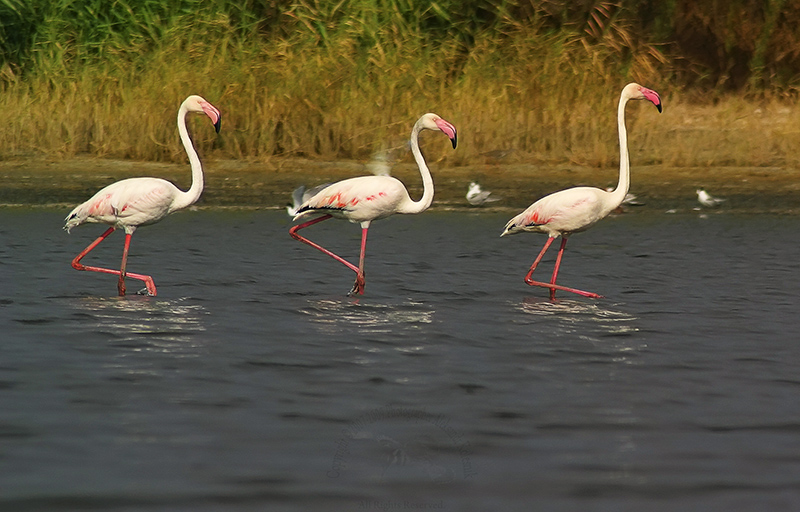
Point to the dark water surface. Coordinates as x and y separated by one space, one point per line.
253 383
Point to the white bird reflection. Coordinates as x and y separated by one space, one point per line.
413 454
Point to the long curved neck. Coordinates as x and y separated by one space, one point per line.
618 194
427 180
189 197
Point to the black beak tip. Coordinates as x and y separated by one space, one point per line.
218 124
454 140
659 108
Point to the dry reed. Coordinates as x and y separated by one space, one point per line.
344 80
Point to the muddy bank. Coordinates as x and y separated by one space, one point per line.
38 181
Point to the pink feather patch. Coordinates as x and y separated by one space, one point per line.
535 219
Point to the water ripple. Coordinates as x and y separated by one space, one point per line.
142 322
336 316
584 317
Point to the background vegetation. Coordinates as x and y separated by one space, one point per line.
345 78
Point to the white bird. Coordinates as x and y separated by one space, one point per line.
576 209
135 202
706 199
300 195
367 198
379 164
477 197
630 199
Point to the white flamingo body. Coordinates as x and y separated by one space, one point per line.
134 202
577 209
362 199
564 212
128 204
367 198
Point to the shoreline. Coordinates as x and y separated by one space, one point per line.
241 184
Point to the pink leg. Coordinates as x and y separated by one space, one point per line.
552 284
77 265
76 262
121 282
537 260
556 267
148 281
357 288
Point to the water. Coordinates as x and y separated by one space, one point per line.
253 383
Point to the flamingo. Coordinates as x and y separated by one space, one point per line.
135 202
367 198
576 209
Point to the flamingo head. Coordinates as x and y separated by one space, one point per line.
196 103
434 122
635 91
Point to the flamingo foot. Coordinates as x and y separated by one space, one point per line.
150 285
358 286
554 287
149 289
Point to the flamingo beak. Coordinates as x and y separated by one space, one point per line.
212 112
652 96
448 130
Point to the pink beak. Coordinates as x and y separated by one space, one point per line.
652 96
212 112
448 130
